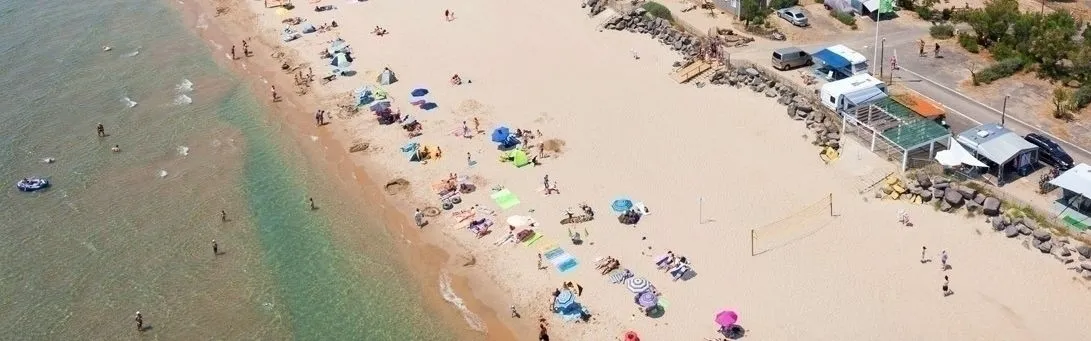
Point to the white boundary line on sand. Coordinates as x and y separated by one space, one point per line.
1035 128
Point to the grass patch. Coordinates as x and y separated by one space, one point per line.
1002 69
942 31
844 18
1081 97
657 10
968 42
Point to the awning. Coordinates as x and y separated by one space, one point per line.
1077 179
832 59
871 5
864 96
995 143
956 155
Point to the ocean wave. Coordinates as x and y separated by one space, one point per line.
202 21
162 173
449 295
128 102
184 86
183 150
182 100
134 53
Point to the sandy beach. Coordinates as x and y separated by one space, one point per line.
710 163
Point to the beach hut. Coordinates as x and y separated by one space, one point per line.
1000 148
1074 204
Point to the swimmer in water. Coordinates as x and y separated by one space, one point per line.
106 48
116 148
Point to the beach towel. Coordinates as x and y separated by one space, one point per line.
504 198
533 239
619 276
561 259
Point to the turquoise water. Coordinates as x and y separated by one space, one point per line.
132 231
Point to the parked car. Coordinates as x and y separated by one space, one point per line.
1050 152
794 15
789 58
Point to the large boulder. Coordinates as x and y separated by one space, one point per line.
1045 247
1042 235
924 181
945 206
1010 231
1023 229
937 193
991 206
1084 251
940 185
926 195
1086 266
979 199
998 225
967 192
952 197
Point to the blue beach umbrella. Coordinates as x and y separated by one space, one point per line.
647 299
564 299
621 205
418 92
501 134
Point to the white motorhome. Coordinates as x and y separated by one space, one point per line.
851 92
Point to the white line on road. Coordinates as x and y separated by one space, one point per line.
1035 128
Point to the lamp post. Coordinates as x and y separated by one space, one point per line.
1004 110
882 49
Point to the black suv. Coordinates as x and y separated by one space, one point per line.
1049 152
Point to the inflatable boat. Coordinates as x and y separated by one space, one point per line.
32 184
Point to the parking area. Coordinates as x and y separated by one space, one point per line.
823 27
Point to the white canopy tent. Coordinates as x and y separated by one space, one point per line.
957 155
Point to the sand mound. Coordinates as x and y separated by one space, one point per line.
359 147
396 186
471 107
553 145
430 211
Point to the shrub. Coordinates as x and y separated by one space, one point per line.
925 12
778 4
1001 51
1004 68
942 31
1081 97
657 10
844 18
945 14
968 42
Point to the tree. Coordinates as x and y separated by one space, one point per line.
992 22
1062 104
1053 41
750 10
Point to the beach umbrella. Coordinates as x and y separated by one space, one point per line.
565 299
638 284
727 318
647 299
418 100
621 205
519 221
418 92
307 28
380 105
338 46
630 336
501 134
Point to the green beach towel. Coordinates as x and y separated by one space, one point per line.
533 239
505 199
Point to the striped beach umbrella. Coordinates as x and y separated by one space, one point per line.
638 284
647 299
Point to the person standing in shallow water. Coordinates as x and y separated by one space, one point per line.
223 216
101 130
215 248
313 207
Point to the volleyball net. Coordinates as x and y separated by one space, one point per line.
795 226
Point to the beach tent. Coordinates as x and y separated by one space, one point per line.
337 46
341 60
387 77
518 157
307 28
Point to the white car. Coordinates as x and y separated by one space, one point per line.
794 15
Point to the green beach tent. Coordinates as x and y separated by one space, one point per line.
519 157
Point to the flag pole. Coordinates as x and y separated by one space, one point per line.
876 61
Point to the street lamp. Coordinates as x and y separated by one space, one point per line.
1004 110
882 48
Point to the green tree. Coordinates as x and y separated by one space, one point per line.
1062 103
751 11
992 22
1053 42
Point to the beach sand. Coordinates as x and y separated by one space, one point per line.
711 163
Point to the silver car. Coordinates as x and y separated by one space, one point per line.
794 15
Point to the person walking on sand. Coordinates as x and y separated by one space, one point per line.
223 216
936 51
273 89
418 217
923 258
943 260
313 207
477 125
514 313
139 322
101 130
233 52
215 248
469 160
946 286
540 267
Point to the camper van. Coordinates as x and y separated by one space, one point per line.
851 92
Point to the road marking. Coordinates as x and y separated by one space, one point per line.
1032 127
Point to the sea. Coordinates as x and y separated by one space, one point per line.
128 231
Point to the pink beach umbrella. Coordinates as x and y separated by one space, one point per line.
727 318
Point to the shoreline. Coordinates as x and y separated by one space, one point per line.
426 262
743 119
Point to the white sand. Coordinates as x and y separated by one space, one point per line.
630 130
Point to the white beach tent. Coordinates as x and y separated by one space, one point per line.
957 155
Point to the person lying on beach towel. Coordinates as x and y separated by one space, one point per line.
611 265
323 8
665 261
